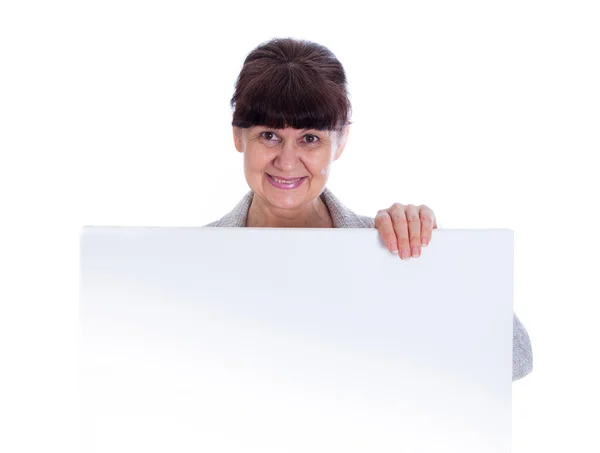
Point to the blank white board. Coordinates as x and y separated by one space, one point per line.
294 340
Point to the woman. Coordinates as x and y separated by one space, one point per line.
291 121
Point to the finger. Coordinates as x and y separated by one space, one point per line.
398 214
383 222
427 224
414 229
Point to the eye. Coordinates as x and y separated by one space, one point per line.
268 135
310 138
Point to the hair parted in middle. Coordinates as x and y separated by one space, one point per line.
287 82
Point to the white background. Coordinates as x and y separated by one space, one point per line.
117 113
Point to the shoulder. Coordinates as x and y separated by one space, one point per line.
370 221
360 221
344 217
237 216
216 223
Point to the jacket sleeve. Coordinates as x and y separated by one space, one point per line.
522 354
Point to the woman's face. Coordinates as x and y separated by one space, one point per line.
289 154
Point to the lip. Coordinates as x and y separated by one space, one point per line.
285 179
285 186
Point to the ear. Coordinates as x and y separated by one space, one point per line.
237 138
342 140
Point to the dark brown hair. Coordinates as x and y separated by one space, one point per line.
291 83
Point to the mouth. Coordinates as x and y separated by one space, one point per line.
285 183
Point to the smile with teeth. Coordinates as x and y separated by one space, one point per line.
285 182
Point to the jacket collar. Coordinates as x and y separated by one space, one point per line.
342 216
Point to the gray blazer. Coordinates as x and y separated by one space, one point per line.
345 218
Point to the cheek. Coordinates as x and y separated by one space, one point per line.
319 163
324 171
318 167
254 160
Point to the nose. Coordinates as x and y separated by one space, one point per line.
287 159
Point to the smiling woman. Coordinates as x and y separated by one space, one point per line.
291 122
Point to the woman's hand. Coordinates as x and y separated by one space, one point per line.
406 228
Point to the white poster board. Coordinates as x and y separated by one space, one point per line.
294 340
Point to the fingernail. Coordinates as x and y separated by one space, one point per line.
393 249
405 254
424 242
415 252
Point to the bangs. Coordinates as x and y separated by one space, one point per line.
289 95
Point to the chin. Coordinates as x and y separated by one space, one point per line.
285 199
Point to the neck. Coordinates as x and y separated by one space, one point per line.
314 215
